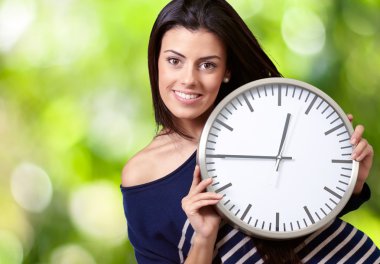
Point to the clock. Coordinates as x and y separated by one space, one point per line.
279 152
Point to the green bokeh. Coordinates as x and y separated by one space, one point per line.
75 102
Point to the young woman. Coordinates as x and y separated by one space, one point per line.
199 51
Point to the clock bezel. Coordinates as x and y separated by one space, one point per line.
231 218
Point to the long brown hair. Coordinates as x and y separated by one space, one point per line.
246 62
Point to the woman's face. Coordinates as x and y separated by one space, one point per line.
191 67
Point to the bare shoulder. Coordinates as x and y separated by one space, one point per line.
162 156
138 168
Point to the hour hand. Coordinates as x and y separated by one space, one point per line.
224 156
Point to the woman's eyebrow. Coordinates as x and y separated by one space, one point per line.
202 58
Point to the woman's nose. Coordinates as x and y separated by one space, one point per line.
189 76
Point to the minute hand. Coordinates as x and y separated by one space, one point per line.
223 156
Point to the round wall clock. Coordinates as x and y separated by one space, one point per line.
279 151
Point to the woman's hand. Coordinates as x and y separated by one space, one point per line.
203 218
363 152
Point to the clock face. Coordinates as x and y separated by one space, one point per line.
279 151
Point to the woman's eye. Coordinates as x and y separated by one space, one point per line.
207 66
173 61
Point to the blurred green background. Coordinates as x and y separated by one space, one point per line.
75 106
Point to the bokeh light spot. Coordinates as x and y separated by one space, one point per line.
11 251
31 187
15 18
303 31
96 211
71 254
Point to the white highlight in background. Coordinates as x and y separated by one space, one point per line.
303 31
15 18
96 210
31 187
71 253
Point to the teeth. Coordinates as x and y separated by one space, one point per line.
186 96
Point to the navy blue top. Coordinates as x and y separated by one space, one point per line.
161 233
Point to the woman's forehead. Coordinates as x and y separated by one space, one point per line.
201 41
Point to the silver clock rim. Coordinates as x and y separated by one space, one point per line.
236 222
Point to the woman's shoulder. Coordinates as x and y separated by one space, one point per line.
156 160
138 170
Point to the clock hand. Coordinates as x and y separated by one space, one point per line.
281 148
223 156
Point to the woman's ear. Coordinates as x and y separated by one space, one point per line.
227 76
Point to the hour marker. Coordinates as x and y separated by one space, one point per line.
224 116
246 212
341 133
333 129
311 105
330 115
277 221
323 211
332 192
233 105
342 182
336 119
239 101
308 214
341 161
223 188
299 98
318 216
279 95
340 189
250 91
327 107
248 103
224 124
307 97
214 127
320 104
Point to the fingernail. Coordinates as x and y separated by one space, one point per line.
353 141
354 155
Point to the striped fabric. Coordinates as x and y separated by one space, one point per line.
161 233
339 242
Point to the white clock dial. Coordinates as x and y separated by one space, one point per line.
279 151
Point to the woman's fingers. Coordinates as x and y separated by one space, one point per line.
357 135
350 117
362 150
198 186
192 205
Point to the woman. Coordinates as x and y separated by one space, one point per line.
199 51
